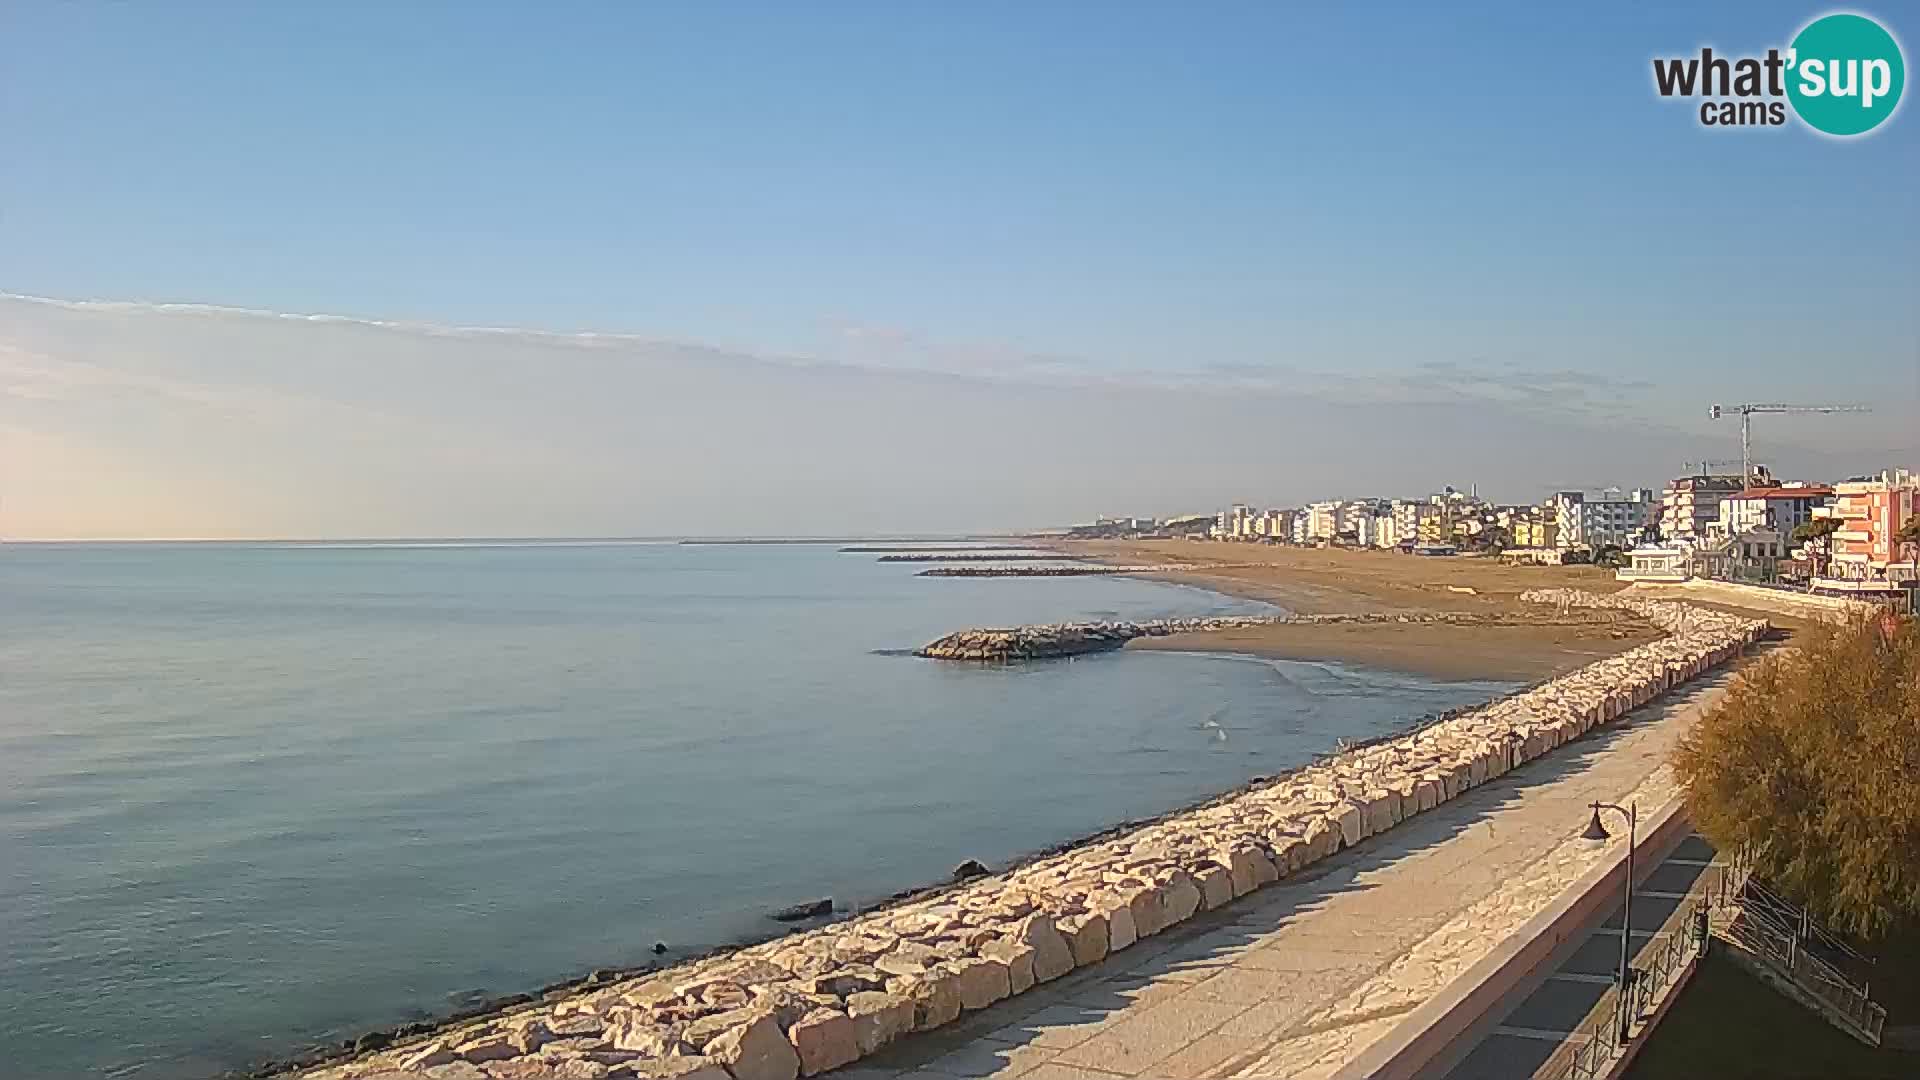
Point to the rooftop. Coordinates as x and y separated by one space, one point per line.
1781 492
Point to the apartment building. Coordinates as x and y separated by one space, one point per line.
1690 504
1323 520
1539 529
1870 511
1386 530
1784 507
1585 519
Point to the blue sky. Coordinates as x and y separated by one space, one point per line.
1153 192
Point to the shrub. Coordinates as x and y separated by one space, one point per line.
1812 759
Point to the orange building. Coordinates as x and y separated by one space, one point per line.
1870 512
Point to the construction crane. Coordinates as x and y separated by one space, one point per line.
1746 425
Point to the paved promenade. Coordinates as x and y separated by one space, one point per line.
1296 979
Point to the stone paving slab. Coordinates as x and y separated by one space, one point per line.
1551 1014
1297 978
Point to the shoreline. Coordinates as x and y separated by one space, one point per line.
747 1015
499 1005
1247 643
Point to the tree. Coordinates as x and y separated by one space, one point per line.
1493 538
1908 537
1818 534
1812 762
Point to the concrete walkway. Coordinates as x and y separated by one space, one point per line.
1296 979
1521 1039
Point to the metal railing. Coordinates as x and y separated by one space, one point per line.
1597 1040
1728 901
1780 934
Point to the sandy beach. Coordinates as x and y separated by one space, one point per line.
1328 580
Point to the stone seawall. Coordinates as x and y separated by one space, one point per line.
1794 604
813 1001
1010 644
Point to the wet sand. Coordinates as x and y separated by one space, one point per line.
1515 653
1324 580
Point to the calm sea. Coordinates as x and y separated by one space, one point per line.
254 797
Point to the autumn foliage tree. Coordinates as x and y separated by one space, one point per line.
1908 537
1812 761
1817 533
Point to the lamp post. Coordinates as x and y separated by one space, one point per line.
1597 831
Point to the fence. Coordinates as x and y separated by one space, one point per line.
1780 935
1774 930
1590 1051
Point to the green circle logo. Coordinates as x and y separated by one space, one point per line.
1845 74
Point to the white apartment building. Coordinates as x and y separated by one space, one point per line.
1406 519
1363 529
1595 519
1323 520
1784 508
1691 504
1279 524
1386 530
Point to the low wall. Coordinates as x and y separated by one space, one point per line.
813 1001
1797 604
1418 1046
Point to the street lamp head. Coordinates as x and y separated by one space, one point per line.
1595 830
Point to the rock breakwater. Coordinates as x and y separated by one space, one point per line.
1071 639
809 1002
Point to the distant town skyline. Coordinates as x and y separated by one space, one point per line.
870 268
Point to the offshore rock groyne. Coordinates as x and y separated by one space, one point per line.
1006 645
803 1004
1071 639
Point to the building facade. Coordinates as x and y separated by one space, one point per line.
1593 520
1785 508
1323 520
1386 530
1691 504
1869 513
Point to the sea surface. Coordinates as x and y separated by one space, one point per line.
257 797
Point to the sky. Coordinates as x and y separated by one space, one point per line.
848 268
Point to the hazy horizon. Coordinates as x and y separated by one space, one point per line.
120 415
